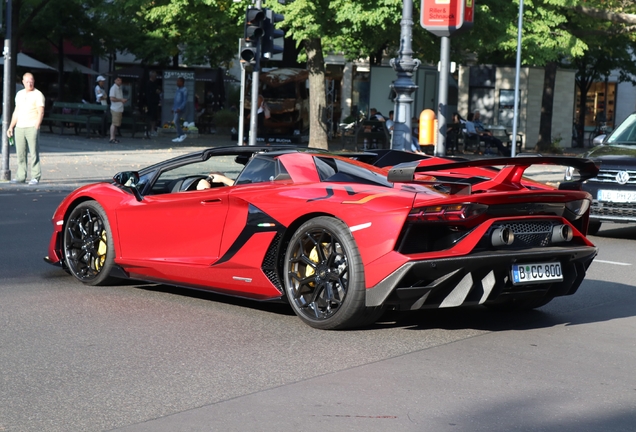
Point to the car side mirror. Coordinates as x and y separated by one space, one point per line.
129 179
598 140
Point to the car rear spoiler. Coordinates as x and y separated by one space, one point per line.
512 172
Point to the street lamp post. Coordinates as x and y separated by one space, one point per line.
405 65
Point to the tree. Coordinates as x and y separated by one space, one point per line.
57 22
556 33
201 31
357 29
607 46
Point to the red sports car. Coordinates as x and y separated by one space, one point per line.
341 238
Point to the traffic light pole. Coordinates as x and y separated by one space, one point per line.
254 98
241 126
255 81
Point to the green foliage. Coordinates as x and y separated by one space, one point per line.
202 31
357 29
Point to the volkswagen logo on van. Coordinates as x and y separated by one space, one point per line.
622 177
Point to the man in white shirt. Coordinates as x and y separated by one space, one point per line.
25 127
117 102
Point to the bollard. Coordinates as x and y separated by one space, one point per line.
427 128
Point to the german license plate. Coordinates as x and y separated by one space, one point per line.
617 196
536 273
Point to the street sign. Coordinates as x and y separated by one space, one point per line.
443 17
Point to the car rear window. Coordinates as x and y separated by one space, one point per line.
339 171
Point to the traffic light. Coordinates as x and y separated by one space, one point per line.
254 24
248 52
268 46
254 31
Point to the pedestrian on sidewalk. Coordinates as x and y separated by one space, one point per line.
101 97
100 91
153 102
26 121
117 102
179 108
485 136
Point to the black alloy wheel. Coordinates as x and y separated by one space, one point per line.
324 276
88 246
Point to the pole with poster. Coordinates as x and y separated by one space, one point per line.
445 18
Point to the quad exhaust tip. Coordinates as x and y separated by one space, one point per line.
505 236
502 237
562 233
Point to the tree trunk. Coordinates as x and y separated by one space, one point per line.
317 97
580 122
584 83
547 103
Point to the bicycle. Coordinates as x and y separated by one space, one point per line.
600 129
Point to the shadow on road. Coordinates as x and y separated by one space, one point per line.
617 231
619 301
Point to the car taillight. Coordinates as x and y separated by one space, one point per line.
447 212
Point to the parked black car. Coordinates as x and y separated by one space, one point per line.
614 188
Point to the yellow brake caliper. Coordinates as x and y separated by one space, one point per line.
101 252
313 257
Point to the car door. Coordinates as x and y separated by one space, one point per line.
175 229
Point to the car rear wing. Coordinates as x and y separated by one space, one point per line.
511 173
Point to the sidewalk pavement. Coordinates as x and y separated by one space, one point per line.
69 161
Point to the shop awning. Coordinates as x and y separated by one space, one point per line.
29 62
70 66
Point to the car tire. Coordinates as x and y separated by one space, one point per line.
89 252
593 227
324 276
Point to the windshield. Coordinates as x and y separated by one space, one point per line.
625 133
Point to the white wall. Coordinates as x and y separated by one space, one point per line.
625 101
531 94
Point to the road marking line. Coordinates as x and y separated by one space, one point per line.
612 262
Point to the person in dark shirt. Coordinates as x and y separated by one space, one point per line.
153 101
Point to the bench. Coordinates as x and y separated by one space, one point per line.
373 134
471 143
76 115
501 133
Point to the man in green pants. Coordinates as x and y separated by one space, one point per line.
26 120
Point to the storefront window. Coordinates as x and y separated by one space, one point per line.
599 104
361 92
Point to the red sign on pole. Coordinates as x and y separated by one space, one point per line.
443 17
469 15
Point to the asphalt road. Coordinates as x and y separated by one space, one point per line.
157 358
